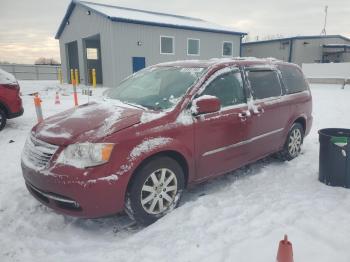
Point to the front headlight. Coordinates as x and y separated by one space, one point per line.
83 155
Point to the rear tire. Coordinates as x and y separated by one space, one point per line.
3 118
155 190
292 146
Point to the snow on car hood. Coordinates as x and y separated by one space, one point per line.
86 122
7 78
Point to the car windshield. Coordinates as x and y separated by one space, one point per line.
156 88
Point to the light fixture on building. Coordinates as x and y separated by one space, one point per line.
139 43
88 12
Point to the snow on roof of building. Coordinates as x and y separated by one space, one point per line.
136 16
297 38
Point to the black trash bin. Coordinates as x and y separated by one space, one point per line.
334 166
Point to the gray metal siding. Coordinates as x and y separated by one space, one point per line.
301 52
119 44
82 26
272 49
127 35
312 51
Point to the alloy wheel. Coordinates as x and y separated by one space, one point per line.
295 140
159 191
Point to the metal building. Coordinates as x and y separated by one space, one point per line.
302 49
118 41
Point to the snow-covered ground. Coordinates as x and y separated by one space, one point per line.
238 217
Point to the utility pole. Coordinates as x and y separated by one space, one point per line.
323 32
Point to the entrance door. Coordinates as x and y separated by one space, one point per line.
138 63
220 136
93 59
73 58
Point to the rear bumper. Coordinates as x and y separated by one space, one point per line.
16 114
86 198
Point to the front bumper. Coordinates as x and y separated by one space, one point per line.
77 194
16 114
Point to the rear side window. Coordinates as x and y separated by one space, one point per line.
293 79
228 88
264 84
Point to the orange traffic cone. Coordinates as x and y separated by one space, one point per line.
57 99
285 251
38 110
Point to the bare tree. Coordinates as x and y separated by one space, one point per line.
46 61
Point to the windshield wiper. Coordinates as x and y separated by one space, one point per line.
156 108
135 105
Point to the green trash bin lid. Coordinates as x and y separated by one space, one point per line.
339 140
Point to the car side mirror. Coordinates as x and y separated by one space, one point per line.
205 104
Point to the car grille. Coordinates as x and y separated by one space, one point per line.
36 153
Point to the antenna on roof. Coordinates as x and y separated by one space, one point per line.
323 32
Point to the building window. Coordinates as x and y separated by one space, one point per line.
227 48
167 45
193 46
92 53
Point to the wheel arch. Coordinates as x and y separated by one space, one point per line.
178 157
4 108
301 120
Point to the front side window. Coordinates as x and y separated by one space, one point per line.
293 78
264 84
227 49
167 45
193 46
228 87
156 88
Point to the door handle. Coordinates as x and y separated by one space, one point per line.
244 115
259 110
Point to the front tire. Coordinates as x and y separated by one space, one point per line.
155 190
3 118
292 146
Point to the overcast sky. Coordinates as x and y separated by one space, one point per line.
27 27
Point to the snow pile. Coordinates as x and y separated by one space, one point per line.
221 220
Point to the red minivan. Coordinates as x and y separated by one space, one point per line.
10 100
163 129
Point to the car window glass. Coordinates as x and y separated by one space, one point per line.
264 84
293 79
156 88
228 88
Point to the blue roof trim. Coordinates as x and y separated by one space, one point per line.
336 46
65 19
298 38
131 21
